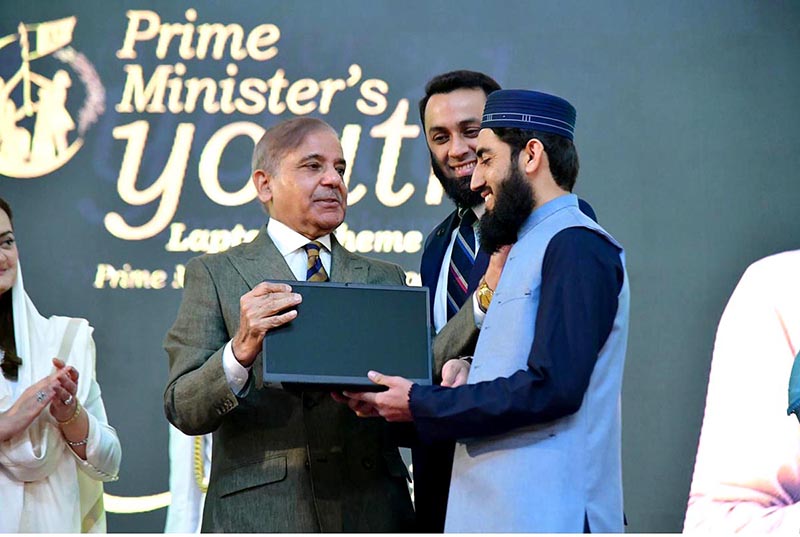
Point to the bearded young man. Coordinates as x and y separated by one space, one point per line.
453 263
537 425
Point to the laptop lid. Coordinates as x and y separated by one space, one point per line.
343 330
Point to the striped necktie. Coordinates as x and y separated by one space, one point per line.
316 272
462 260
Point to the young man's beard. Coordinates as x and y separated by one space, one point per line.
457 189
513 204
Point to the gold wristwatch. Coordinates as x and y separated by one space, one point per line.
485 294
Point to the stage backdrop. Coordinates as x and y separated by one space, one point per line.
127 129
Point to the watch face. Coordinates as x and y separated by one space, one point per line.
484 297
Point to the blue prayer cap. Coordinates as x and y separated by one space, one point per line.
529 110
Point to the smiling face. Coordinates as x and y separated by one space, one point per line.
307 192
8 254
452 124
510 196
493 168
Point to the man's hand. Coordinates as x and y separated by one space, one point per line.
392 405
495 268
259 312
361 408
455 372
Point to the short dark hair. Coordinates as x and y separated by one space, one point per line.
283 137
6 208
561 152
452 81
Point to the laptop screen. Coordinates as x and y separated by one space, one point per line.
343 330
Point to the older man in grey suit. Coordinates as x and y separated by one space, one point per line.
286 460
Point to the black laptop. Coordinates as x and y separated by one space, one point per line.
343 330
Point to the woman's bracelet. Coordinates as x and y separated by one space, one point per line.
74 415
76 444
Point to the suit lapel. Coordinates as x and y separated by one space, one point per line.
478 270
260 261
345 266
256 262
433 255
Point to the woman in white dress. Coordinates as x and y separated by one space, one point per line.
56 446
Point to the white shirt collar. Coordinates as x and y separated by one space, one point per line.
287 240
477 209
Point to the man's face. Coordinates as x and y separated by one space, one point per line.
510 197
452 123
8 254
307 192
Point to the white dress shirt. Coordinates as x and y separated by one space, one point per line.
291 246
440 299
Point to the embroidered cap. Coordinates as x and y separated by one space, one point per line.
529 110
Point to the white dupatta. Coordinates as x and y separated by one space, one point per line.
41 488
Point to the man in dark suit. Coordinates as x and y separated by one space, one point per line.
450 113
284 460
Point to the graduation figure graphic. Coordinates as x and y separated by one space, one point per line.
37 131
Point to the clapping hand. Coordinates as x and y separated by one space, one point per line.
63 404
49 390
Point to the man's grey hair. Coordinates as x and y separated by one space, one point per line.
282 138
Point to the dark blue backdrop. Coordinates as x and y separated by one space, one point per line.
686 130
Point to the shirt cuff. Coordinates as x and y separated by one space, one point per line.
101 457
235 373
477 313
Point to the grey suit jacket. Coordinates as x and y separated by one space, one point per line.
284 459
456 338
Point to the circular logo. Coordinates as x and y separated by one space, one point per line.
38 130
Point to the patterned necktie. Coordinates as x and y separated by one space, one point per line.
461 261
316 272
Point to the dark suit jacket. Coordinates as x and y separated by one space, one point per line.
433 462
284 460
432 256
458 337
